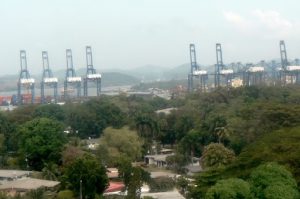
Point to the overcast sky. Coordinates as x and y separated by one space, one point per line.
134 33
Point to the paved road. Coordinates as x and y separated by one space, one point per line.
165 195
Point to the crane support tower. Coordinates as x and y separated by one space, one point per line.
25 82
91 74
71 78
221 72
47 79
196 72
288 73
254 74
284 62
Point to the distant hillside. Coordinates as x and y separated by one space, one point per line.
9 83
108 78
179 72
161 84
118 79
152 73
147 73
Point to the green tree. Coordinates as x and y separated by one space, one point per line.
41 141
36 194
7 129
182 184
233 188
137 178
133 177
146 126
159 103
106 112
272 181
83 123
3 195
222 133
22 114
177 162
50 171
183 124
161 184
88 172
217 155
70 153
51 111
115 143
65 194
8 137
191 143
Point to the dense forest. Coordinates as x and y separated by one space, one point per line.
248 140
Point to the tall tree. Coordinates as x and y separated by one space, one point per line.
41 141
133 177
51 111
233 188
217 155
271 180
191 143
86 175
115 143
83 123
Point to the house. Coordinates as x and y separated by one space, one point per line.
166 111
24 185
159 160
115 188
112 173
10 175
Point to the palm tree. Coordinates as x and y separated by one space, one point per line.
222 133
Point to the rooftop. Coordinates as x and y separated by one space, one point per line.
28 184
13 173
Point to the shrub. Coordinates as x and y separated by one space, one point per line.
161 184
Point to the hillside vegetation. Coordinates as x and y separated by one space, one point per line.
244 135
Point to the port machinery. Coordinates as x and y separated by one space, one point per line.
288 73
47 79
71 79
196 71
25 81
254 74
223 75
91 74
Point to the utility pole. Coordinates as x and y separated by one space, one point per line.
80 189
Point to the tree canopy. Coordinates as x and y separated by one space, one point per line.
115 143
273 181
88 172
232 188
41 141
217 155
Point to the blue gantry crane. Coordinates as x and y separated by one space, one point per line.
221 72
71 78
48 79
288 73
196 72
91 74
25 81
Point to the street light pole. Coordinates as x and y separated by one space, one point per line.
80 189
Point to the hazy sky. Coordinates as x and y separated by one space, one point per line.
133 33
